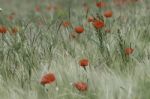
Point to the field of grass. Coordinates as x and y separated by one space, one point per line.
35 41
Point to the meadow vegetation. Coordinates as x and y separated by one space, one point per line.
74 49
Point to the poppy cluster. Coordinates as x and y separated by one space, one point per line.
97 23
82 86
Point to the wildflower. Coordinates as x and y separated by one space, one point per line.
3 29
84 62
66 23
79 29
98 24
129 51
48 79
81 86
90 19
100 4
108 13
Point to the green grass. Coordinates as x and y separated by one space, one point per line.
35 50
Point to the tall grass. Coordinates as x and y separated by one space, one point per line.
35 50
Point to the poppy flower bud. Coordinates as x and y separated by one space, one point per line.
129 51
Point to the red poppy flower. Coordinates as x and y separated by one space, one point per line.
84 62
129 51
79 29
108 13
81 86
3 29
66 23
100 4
48 79
98 24
90 19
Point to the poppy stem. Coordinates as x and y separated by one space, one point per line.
85 69
46 89
87 12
